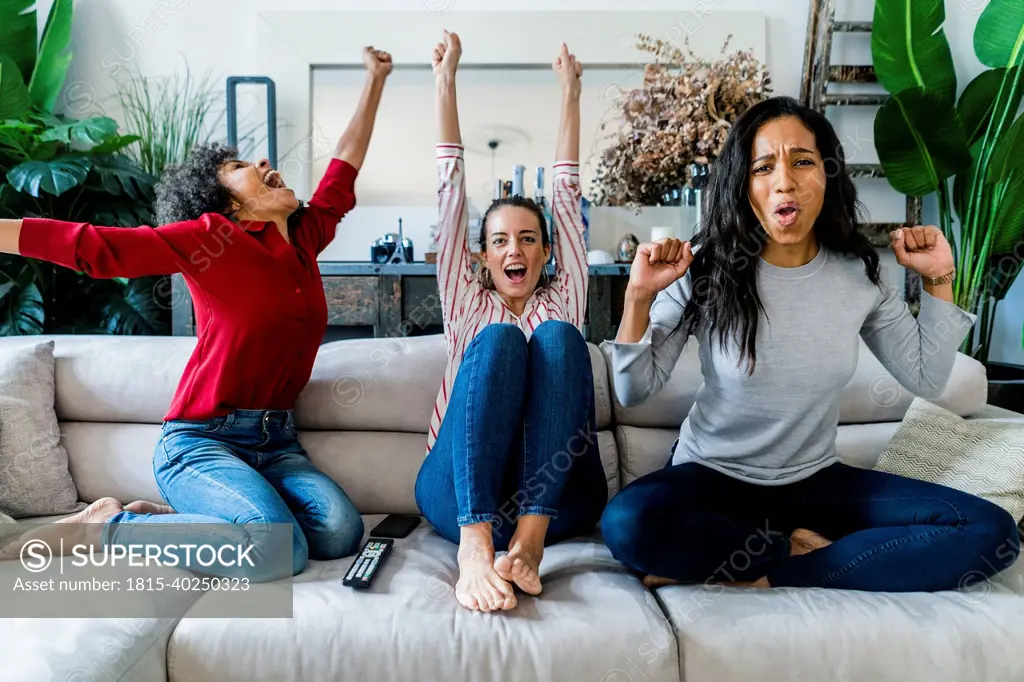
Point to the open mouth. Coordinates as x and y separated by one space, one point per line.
786 214
515 273
273 180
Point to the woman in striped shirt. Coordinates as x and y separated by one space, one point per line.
515 464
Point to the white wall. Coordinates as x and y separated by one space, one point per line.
220 35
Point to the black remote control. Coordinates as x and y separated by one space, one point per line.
364 568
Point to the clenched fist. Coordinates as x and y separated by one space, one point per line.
657 265
377 62
446 55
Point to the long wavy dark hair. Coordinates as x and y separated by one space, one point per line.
728 245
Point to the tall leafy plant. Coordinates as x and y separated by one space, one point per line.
969 151
170 115
56 167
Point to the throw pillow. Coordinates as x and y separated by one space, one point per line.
981 457
34 475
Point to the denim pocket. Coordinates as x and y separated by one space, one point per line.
193 425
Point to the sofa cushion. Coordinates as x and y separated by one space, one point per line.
377 470
391 384
360 384
872 395
984 458
34 476
968 635
594 621
84 649
116 378
116 460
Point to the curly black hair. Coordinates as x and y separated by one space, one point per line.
188 190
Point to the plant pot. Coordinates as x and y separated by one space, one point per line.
1006 386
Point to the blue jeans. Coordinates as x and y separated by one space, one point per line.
889 533
519 437
237 473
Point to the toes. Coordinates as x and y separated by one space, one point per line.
503 567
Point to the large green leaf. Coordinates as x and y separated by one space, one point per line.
1008 154
14 98
22 313
963 181
115 144
82 134
54 57
978 100
53 177
1009 220
909 47
920 141
138 311
117 174
18 33
999 35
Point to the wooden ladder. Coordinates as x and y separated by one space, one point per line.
818 73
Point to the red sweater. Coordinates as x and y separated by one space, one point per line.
259 303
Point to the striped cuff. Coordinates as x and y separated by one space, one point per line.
566 168
447 150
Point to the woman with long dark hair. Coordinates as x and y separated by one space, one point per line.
512 460
776 287
229 461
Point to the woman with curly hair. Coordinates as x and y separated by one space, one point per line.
512 460
229 457
777 287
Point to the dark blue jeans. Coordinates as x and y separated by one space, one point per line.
890 534
519 437
234 474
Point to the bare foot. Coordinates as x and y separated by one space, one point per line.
521 564
653 582
803 541
479 587
144 507
83 528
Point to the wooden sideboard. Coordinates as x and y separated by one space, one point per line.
369 300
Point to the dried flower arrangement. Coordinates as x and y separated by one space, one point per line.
680 115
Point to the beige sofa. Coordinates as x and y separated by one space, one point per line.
363 419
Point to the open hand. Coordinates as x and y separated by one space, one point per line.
923 249
657 265
446 55
568 70
377 62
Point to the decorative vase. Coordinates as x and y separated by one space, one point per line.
627 248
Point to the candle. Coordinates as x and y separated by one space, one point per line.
662 233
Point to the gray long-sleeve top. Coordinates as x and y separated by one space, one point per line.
779 424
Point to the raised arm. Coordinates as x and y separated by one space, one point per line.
648 344
569 242
105 252
355 140
919 352
454 270
335 196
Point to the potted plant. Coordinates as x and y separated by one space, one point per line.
57 167
968 151
679 116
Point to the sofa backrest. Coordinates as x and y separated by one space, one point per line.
363 416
